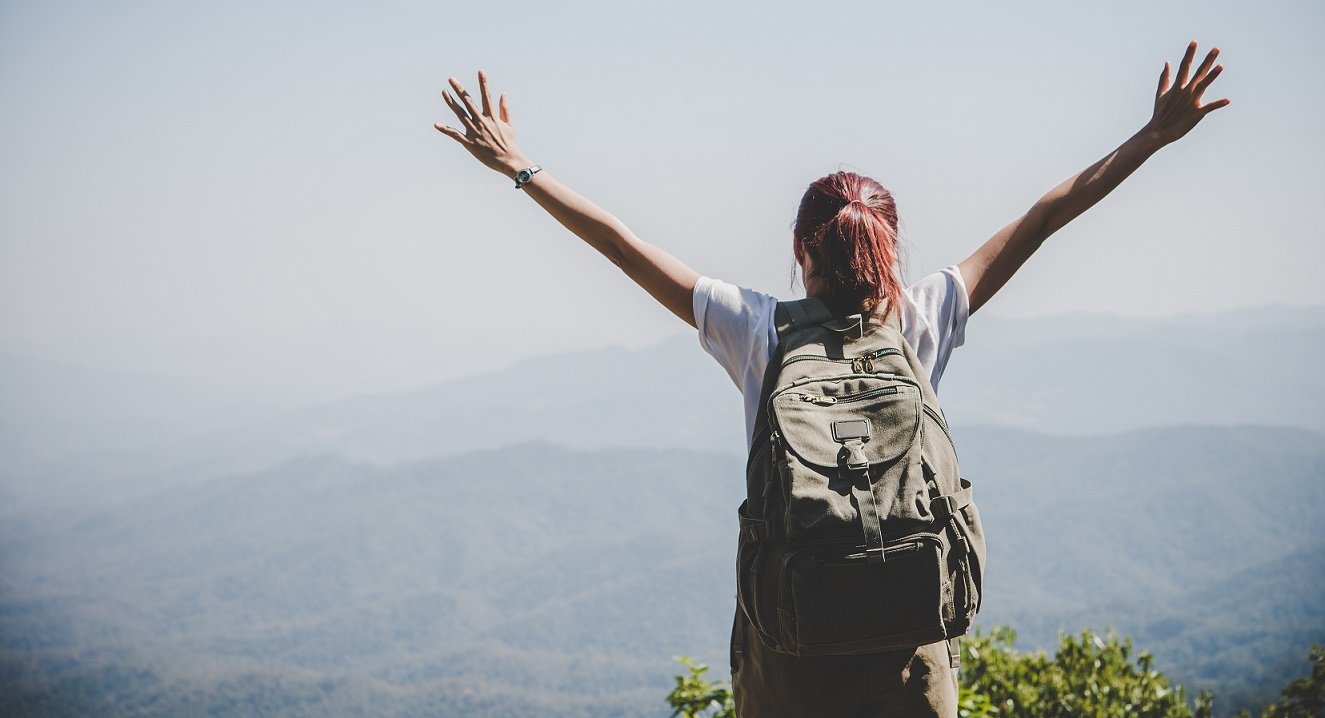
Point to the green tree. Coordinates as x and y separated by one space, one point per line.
973 705
695 696
1091 676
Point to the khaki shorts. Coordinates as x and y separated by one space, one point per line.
912 684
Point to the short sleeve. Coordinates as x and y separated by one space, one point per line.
736 328
935 324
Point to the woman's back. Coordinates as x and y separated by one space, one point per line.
736 328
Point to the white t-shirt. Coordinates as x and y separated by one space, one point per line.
736 327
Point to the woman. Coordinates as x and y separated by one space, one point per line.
845 239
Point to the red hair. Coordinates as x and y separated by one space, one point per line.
847 226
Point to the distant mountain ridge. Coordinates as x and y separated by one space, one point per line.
1092 374
1072 374
532 577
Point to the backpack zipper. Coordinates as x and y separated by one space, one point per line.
824 400
917 544
888 550
864 364
865 361
811 357
942 424
772 416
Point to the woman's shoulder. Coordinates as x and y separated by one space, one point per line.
725 301
936 310
942 282
735 326
712 287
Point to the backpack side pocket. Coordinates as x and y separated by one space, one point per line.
752 578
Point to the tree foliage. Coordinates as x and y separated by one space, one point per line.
697 697
1091 676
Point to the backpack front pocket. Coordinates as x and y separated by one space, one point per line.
824 427
806 412
855 603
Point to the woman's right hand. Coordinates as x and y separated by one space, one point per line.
490 138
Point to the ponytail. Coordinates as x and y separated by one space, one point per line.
847 226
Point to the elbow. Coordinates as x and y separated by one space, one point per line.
615 256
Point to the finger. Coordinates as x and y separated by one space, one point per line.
504 109
454 103
1163 80
483 92
469 101
451 132
459 111
1185 65
1205 66
1205 81
1207 109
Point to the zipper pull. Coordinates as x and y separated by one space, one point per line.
820 400
864 364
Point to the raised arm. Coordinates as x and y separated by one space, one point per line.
491 139
1177 110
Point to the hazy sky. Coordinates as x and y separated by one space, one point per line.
253 192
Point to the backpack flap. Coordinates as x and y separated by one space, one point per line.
848 444
812 416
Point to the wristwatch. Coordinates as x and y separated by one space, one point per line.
526 175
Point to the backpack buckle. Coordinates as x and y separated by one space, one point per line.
852 435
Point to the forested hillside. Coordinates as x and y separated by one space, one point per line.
536 580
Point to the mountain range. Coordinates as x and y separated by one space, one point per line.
66 429
536 578
543 539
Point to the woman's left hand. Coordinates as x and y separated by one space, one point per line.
1178 107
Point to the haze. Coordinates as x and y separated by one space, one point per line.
253 193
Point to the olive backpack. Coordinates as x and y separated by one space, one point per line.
858 533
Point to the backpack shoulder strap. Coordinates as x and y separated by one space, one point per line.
800 314
787 317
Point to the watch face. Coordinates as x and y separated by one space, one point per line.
523 176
